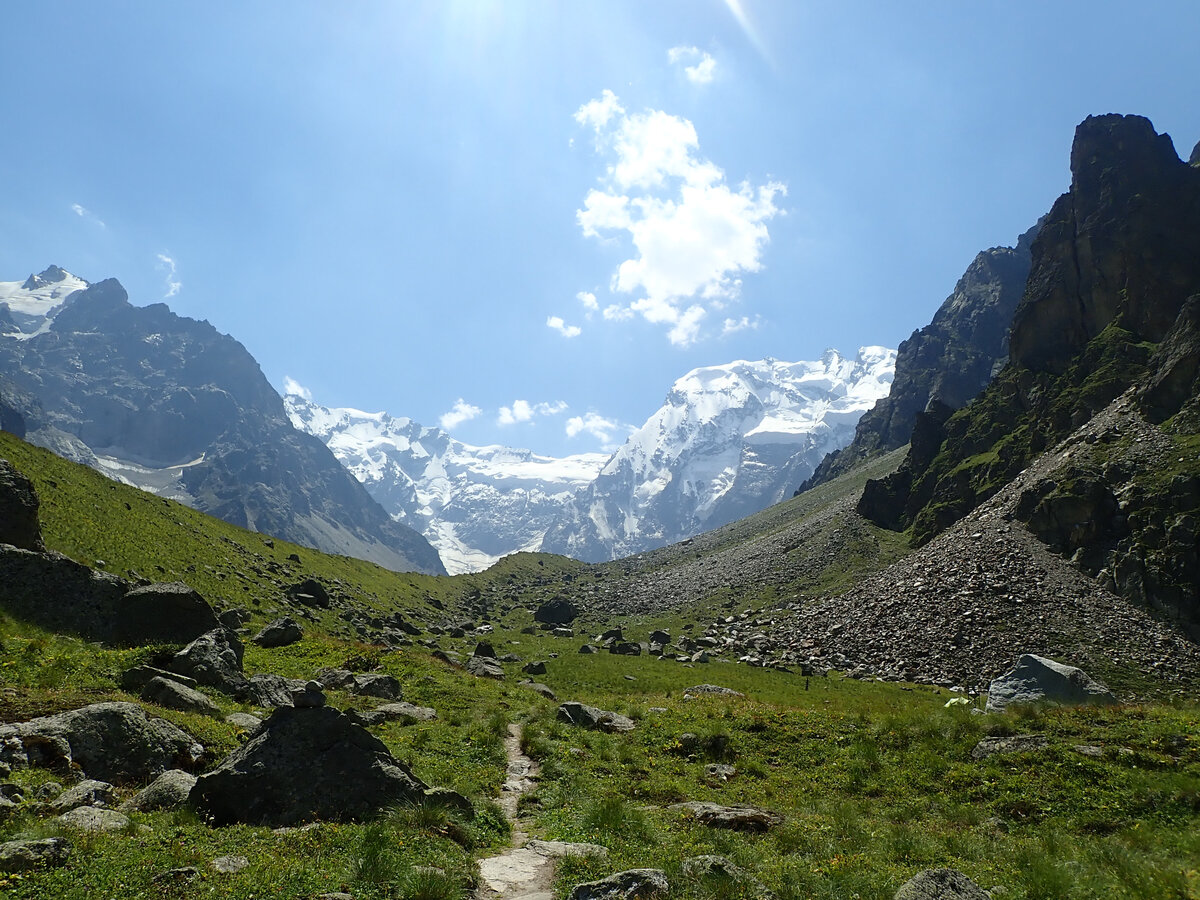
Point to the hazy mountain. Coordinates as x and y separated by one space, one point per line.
173 406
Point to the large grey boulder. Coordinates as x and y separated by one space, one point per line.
1035 678
594 719
21 856
115 742
940 884
173 695
213 659
485 667
376 684
88 792
627 885
169 613
270 690
303 765
557 611
404 713
280 633
734 818
18 510
93 818
168 791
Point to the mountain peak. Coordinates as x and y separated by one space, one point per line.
49 275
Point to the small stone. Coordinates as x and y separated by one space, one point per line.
229 865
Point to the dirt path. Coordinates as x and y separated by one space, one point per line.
526 870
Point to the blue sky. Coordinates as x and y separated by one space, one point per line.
541 214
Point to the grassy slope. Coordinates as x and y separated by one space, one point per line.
876 781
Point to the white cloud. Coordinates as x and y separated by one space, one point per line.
84 213
173 285
693 235
702 71
292 386
615 312
597 112
597 426
733 326
524 411
567 331
588 299
462 411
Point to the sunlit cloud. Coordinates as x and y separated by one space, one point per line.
462 411
567 331
84 213
173 284
603 429
693 235
292 386
524 411
703 67
732 326
588 299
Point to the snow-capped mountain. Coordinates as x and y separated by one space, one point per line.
474 504
173 406
729 441
27 307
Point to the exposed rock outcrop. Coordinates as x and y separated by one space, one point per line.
304 765
18 510
1035 679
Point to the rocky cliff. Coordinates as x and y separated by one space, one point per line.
174 406
946 363
1105 352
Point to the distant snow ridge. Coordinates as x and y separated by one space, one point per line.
32 304
474 504
729 441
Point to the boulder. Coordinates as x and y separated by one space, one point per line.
133 680
335 679
538 688
168 791
92 818
114 742
712 689
213 659
940 884
404 713
485 650
372 684
244 721
279 633
173 695
310 592
627 885
556 611
18 510
722 872
625 648
483 667
21 856
304 765
57 593
1017 743
270 690
735 818
88 792
1035 678
593 719
537 667
170 613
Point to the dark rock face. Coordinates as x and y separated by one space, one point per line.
162 613
310 592
304 765
558 611
152 388
1122 242
115 742
949 361
1114 267
58 593
18 510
